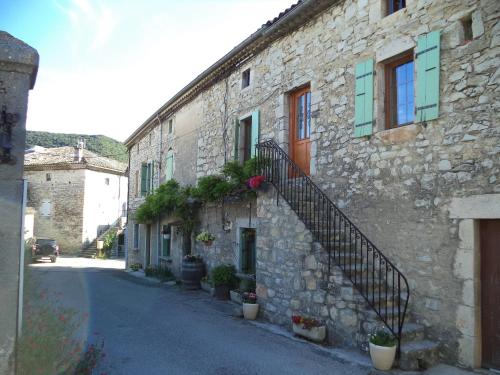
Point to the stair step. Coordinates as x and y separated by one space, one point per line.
412 332
418 355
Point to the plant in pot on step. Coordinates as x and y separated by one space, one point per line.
250 305
206 237
223 277
309 328
382 349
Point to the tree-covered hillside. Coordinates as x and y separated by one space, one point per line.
99 144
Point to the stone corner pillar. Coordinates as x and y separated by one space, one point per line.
18 69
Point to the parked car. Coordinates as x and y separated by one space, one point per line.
45 248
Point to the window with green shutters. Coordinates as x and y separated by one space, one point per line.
246 136
169 165
363 101
427 63
144 179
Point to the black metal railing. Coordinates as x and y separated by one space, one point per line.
377 279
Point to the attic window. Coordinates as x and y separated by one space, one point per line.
245 79
170 126
467 26
394 5
48 177
106 181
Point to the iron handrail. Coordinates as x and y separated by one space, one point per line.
336 232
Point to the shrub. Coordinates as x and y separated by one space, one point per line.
223 274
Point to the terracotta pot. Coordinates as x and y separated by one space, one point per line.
250 310
208 243
221 292
191 274
316 334
382 356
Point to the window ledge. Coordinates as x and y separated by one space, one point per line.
399 135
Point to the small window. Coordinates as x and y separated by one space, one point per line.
395 5
150 139
136 236
399 92
245 79
467 27
48 177
106 181
137 147
170 126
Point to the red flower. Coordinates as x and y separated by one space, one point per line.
296 319
255 181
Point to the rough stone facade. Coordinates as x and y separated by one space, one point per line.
399 186
18 67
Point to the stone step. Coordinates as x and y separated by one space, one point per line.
418 355
412 332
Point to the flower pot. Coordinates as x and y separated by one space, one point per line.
221 292
382 356
250 310
316 334
235 296
191 274
207 287
208 243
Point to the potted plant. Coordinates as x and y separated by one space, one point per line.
309 328
223 278
250 305
192 270
382 349
206 237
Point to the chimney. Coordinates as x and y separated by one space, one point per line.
79 150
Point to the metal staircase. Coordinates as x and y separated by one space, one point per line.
381 284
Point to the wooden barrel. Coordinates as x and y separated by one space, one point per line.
192 273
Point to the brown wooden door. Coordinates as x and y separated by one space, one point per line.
490 292
300 128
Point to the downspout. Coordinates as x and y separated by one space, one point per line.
128 211
160 151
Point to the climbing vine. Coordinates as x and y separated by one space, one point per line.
171 199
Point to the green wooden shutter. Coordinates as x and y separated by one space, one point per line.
428 50
255 132
144 179
152 176
169 172
236 139
363 101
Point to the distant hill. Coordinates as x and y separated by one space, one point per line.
99 144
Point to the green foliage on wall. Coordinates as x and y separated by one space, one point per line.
99 144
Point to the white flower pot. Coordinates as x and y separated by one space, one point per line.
382 356
316 334
250 310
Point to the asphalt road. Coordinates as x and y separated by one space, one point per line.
151 329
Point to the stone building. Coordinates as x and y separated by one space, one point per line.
18 70
391 109
76 194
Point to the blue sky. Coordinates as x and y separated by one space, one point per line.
107 65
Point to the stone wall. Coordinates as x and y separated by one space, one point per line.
18 67
63 197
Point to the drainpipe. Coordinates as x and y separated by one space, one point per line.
128 211
158 234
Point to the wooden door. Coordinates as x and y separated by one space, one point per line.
300 128
490 292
